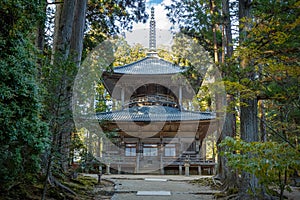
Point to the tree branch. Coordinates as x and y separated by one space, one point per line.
276 133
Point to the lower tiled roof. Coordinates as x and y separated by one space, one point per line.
154 113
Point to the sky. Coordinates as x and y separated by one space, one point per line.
140 33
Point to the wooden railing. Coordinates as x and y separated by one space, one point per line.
159 98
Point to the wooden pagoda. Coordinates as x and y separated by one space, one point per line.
155 134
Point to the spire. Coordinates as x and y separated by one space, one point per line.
152 38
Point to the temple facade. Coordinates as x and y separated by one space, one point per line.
154 132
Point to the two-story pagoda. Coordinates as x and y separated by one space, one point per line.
154 132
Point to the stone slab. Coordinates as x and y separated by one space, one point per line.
156 179
153 193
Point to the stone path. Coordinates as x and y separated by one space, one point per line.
149 187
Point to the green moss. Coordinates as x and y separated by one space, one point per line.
83 187
86 180
220 195
81 184
232 191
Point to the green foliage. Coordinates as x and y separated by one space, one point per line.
58 80
271 162
196 18
23 136
126 54
107 17
102 97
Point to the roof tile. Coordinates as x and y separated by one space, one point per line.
155 113
150 65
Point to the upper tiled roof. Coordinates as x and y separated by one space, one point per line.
149 65
155 113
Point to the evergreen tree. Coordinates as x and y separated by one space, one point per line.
23 135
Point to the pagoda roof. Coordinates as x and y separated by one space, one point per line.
150 65
154 113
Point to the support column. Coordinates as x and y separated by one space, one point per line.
199 170
180 96
187 169
203 149
138 155
119 169
162 171
187 166
213 171
180 169
122 97
137 164
108 169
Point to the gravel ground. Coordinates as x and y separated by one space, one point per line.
127 189
127 186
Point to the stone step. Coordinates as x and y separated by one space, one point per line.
153 193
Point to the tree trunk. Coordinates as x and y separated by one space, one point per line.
214 31
229 127
227 26
78 31
248 110
64 19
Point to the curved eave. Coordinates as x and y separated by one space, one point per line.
168 115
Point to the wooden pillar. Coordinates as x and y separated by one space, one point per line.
203 149
108 169
122 97
198 147
137 163
199 170
180 96
181 146
98 147
161 151
180 169
187 166
138 155
213 170
119 169
187 169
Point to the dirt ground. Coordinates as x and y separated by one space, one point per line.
125 187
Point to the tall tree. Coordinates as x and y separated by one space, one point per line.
61 90
229 127
248 109
76 45
59 80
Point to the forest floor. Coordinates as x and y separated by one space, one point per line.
126 187
85 188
